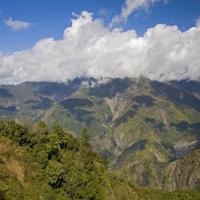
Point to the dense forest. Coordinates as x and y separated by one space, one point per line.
52 164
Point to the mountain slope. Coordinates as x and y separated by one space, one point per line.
138 125
53 165
183 173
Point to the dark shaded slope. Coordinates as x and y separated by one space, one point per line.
177 96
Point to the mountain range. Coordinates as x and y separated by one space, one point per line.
148 131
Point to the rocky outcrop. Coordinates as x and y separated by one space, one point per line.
183 173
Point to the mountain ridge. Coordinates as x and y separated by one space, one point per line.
138 125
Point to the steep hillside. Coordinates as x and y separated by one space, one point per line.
183 173
138 125
53 165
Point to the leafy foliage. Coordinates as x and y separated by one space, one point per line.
39 163
55 158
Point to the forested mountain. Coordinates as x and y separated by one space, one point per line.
148 131
53 165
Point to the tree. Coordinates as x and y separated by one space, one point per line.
54 173
58 129
84 138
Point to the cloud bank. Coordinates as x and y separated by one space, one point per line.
89 48
130 7
16 25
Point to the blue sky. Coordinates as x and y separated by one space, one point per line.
49 18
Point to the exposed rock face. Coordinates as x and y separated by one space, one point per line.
183 173
112 103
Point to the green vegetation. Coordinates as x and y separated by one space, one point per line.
51 164
45 164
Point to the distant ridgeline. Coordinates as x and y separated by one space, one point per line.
147 131
38 163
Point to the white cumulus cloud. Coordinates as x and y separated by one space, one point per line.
89 48
16 24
